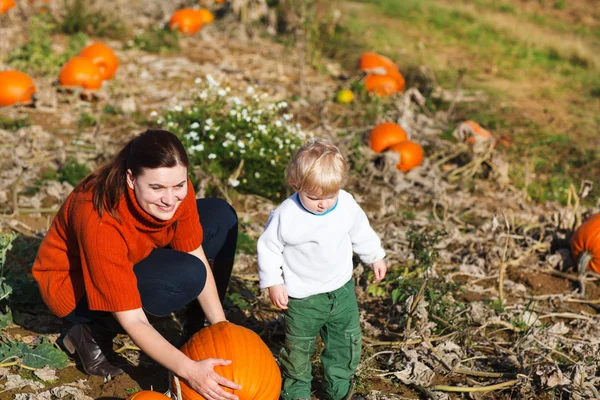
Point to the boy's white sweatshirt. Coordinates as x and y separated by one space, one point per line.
312 254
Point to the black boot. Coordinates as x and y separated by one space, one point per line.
91 345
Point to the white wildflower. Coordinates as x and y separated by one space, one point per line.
198 81
233 182
211 81
241 144
195 125
257 175
222 92
178 108
192 135
153 114
212 156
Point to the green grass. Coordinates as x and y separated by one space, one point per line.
14 124
537 79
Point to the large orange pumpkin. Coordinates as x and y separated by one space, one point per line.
15 88
386 135
253 365
6 5
148 395
411 155
103 57
585 245
80 71
186 20
382 85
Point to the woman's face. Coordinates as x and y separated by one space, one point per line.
159 191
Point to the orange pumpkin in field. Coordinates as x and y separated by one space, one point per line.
375 64
80 71
6 5
207 16
382 85
585 245
385 135
475 132
411 155
15 88
148 395
103 57
186 20
253 366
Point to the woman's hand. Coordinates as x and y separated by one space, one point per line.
204 380
279 296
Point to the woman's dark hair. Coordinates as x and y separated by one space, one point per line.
149 150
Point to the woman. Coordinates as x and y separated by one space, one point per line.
128 242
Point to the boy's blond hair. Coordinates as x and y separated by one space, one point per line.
318 168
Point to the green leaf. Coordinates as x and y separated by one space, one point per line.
376 291
43 355
396 294
5 319
5 289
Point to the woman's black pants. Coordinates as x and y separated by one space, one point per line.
169 280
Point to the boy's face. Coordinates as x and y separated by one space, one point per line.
318 204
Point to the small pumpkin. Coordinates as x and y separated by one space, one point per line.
385 135
186 20
382 85
80 71
345 96
253 366
471 132
585 245
411 155
6 5
207 16
103 57
15 88
375 64
148 395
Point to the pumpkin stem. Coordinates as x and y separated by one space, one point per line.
584 259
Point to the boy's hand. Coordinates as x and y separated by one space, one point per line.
279 296
379 268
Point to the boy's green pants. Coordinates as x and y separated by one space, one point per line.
335 316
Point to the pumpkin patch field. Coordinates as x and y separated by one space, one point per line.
488 210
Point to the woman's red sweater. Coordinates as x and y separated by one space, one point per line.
85 254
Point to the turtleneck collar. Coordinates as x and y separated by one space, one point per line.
131 211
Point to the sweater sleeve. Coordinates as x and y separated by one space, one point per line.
110 282
365 242
270 253
188 233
